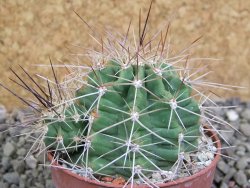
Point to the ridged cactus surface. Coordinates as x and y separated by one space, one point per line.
128 118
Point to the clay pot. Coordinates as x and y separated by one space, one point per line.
203 179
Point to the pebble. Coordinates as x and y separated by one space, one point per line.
241 151
218 177
156 176
231 163
223 166
8 149
5 163
21 142
31 162
21 152
210 155
18 166
240 178
202 157
223 185
207 163
11 177
242 163
245 129
22 181
232 115
246 114
229 175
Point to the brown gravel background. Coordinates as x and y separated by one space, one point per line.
30 31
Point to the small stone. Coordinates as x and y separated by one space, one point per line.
18 166
232 115
229 175
31 162
8 149
246 114
202 157
42 157
240 178
21 141
210 155
247 146
22 181
241 151
21 152
207 163
231 163
223 185
245 129
3 113
30 181
242 163
11 177
223 167
5 163
218 176
156 176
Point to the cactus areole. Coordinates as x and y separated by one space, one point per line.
127 119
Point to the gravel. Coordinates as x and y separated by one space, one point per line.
17 172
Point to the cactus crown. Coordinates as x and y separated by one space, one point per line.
133 113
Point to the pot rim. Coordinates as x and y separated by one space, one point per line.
209 132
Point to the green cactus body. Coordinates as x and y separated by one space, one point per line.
136 116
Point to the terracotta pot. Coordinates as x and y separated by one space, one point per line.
203 179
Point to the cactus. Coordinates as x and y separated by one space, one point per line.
133 113
131 116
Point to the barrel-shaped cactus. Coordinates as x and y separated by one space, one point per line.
133 113
130 117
